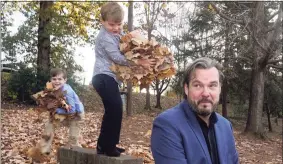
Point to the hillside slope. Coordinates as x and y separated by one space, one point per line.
92 101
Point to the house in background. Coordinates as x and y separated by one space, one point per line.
8 66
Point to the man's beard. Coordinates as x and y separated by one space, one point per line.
202 111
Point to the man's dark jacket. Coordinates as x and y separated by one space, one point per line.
177 138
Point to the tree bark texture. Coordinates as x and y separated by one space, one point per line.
43 45
129 107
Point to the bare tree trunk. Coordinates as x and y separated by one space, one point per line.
152 11
277 117
254 123
147 98
129 108
224 98
158 95
268 117
43 45
158 101
225 64
147 103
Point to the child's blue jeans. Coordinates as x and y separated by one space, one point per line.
108 90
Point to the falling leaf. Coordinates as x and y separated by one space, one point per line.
148 133
211 7
49 85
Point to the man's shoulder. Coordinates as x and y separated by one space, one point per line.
171 114
221 119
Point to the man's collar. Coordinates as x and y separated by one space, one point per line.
212 118
191 113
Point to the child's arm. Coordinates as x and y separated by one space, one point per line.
70 100
114 53
74 101
117 57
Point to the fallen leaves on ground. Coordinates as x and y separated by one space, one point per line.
19 133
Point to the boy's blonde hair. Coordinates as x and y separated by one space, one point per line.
112 11
57 71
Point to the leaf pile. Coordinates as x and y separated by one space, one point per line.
135 48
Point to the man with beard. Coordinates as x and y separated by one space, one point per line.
191 132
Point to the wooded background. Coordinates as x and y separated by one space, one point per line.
245 37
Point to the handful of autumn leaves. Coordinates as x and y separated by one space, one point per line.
50 99
135 48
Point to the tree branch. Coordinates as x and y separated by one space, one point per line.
274 61
257 42
238 34
272 39
147 14
225 16
161 87
248 50
162 36
277 26
270 29
167 81
157 12
272 16
279 67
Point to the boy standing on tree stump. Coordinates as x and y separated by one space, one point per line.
105 81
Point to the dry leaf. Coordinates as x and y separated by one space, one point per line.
49 85
139 48
148 133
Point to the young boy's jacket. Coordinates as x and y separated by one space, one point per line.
72 100
106 52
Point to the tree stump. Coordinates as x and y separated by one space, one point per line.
78 155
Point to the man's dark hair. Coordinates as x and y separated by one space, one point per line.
202 63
